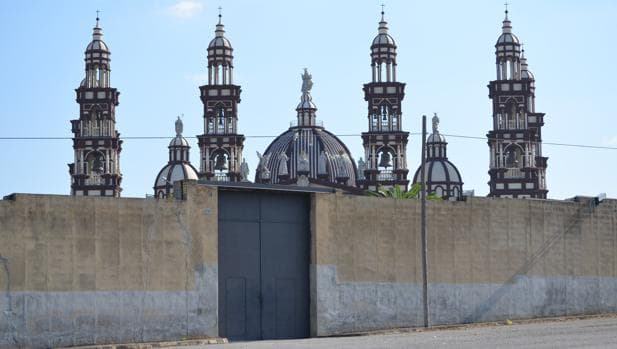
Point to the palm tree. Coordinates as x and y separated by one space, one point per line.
396 193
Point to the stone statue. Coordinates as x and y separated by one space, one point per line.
283 171
264 173
361 168
262 168
322 165
303 162
307 82
179 127
263 161
435 124
244 171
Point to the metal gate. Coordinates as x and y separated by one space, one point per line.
263 265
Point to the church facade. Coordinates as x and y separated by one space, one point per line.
307 154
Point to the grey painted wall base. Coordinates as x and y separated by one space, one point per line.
345 307
49 319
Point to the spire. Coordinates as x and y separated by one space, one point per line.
220 28
179 127
507 25
97 32
383 25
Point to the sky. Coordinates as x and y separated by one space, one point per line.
445 56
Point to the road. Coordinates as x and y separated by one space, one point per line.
587 333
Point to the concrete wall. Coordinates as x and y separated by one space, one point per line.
79 270
99 270
489 259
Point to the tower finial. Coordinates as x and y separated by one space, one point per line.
220 15
97 17
382 12
506 4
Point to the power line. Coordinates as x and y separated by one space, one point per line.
587 146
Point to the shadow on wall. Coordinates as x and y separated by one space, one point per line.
520 274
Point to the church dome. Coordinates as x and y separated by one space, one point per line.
383 48
439 171
507 37
178 168
219 41
97 43
307 154
175 172
328 159
441 176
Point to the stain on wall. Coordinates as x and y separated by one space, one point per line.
79 270
489 259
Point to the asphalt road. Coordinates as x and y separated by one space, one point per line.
588 333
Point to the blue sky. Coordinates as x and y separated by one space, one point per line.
446 57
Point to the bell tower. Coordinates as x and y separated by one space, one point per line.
96 143
385 143
220 145
517 167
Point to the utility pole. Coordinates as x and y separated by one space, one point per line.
423 225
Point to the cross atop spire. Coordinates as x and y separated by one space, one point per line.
506 4
382 11
97 17
220 15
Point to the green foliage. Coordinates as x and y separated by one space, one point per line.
397 193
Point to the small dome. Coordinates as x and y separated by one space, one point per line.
219 42
439 171
442 177
175 172
525 72
436 138
179 141
97 45
178 168
384 39
508 38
